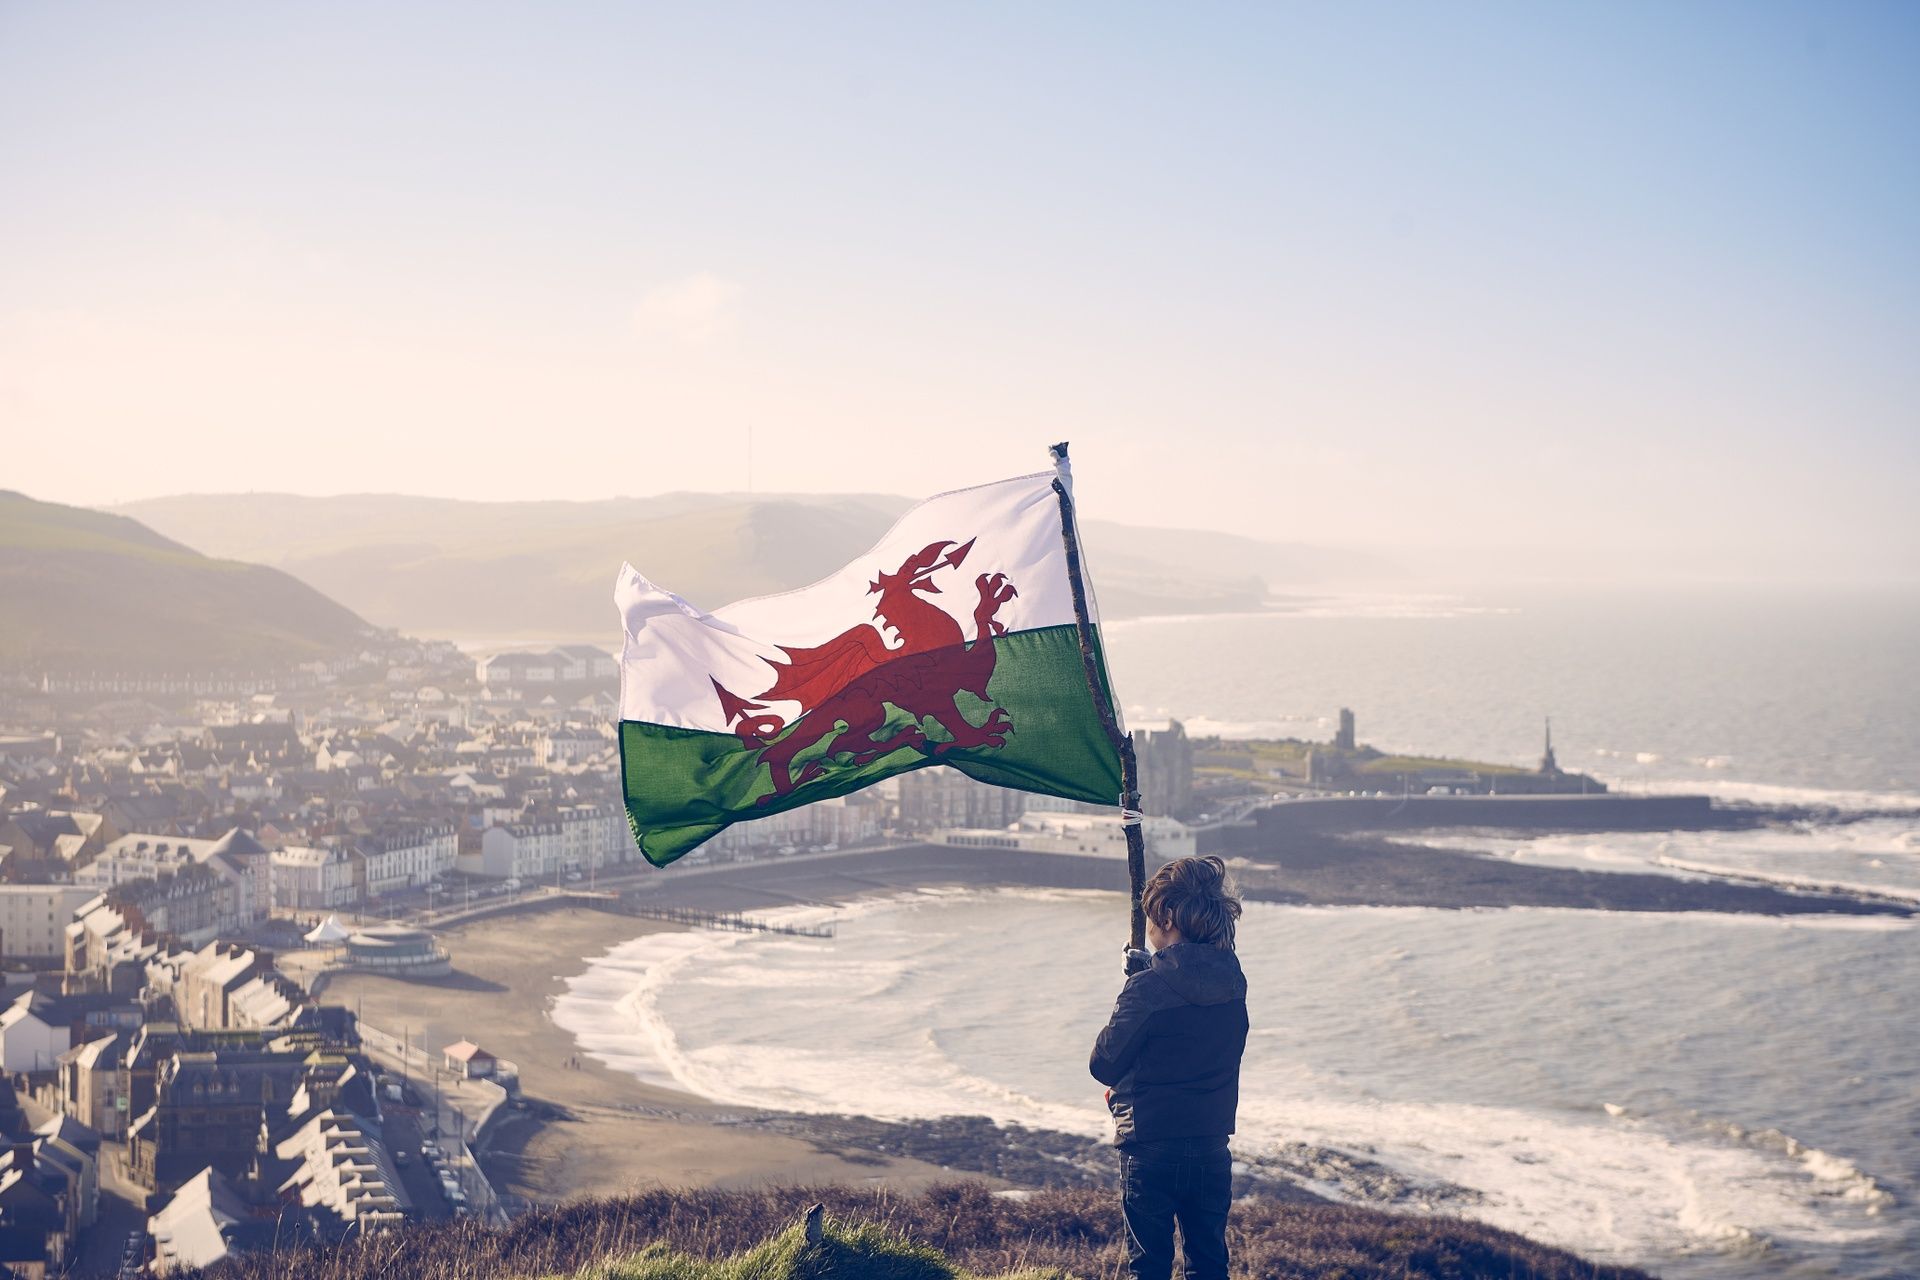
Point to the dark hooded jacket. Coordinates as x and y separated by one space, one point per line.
1171 1050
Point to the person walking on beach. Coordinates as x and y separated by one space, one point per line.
1170 1054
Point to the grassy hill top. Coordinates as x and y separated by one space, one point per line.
545 569
89 590
860 1251
949 1232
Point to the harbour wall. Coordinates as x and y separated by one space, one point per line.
1327 814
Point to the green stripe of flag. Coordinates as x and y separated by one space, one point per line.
684 786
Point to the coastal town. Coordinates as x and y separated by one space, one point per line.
187 862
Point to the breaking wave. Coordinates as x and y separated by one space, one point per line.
1358 1081
1770 794
1790 880
1874 859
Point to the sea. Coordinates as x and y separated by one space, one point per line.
1699 1094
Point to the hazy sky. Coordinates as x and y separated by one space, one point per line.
1639 282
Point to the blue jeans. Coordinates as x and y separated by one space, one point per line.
1188 1181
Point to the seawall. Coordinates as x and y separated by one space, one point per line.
1322 814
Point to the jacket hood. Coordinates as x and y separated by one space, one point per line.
1201 974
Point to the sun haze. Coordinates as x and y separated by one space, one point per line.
1627 286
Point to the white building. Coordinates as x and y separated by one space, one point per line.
594 836
251 787
584 662
840 821
344 1167
142 857
90 1083
239 848
236 858
314 879
194 1227
516 670
263 1001
486 758
523 850
408 858
572 838
568 746
33 1033
34 918
475 786
570 662
336 758
1088 835
149 857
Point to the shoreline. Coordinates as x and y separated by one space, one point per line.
590 1129
1371 870
595 1129
1308 869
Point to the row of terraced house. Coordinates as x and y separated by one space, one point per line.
248 1111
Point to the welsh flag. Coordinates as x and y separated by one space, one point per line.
954 641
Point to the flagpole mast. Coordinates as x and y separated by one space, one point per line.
1103 704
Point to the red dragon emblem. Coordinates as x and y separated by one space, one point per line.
845 686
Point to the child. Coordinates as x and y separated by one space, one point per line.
1171 1054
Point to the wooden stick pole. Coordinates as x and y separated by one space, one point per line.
1103 703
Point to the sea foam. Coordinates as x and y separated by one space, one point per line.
1374 1029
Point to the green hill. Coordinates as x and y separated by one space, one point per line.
545 569
85 590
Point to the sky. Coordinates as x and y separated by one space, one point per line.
1634 288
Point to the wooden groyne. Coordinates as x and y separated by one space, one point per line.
551 899
728 920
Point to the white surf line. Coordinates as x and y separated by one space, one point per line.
1800 884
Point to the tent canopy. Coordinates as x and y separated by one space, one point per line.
328 931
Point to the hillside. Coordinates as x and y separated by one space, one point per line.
88 590
947 1233
545 569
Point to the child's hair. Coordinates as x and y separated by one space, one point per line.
1194 896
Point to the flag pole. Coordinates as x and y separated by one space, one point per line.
1103 704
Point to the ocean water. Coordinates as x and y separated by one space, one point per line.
1705 1095
1804 697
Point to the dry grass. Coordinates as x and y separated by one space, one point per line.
844 1252
1075 1231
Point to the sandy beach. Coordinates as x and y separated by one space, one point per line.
600 1132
